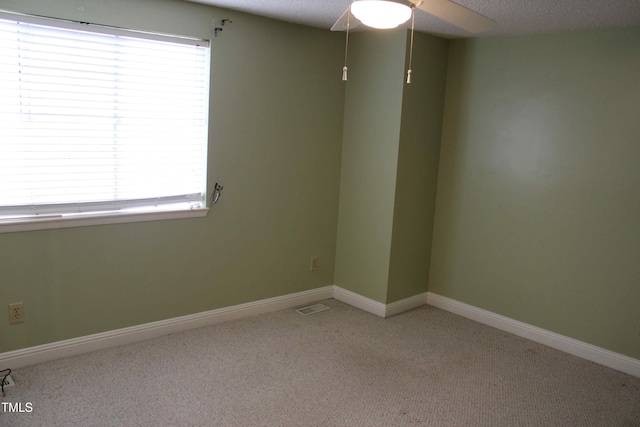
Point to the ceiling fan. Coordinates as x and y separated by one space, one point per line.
382 10
392 13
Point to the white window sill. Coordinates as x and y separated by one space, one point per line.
83 220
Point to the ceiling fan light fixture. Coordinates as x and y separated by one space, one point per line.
381 14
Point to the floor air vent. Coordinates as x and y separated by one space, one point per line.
312 309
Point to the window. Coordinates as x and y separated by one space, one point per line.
98 121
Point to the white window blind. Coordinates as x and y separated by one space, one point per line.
100 119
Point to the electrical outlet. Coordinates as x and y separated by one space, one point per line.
314 263
16 313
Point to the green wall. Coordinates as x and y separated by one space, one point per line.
538 202
372 115
418 157
275 144
389 164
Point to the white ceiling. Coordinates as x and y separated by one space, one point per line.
513 17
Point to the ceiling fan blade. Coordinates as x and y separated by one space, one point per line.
341 23
458 15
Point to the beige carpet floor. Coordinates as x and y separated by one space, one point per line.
340 367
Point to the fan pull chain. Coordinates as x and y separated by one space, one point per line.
413 20
346 48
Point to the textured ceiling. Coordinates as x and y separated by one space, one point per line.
513 17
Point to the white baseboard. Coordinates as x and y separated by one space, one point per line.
378 308
572 346
358 301
405 304
47 352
